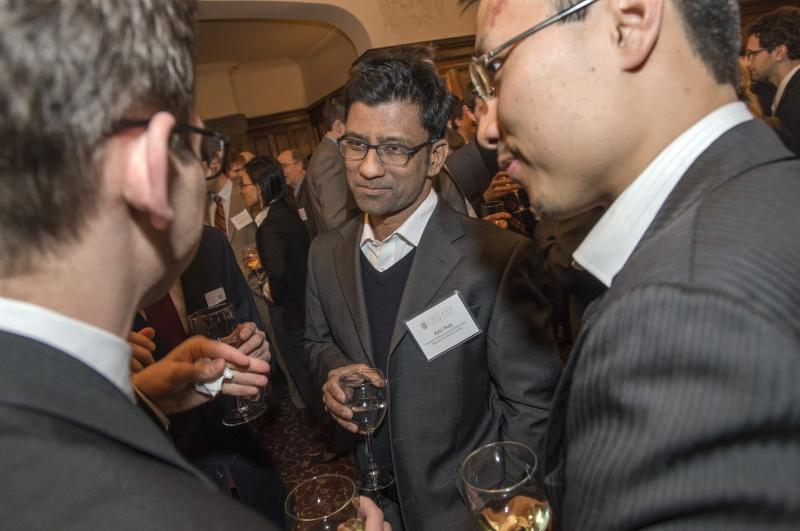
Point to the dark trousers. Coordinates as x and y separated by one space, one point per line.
292 346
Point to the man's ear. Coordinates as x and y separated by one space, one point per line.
439 152
339 128
637 26
147 173
779 53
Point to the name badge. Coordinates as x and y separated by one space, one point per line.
242 219
302 212
443 326
215 297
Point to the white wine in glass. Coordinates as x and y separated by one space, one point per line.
365 391
501 490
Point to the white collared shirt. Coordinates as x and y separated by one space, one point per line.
782 88
104 352
385 254
607 247
225 194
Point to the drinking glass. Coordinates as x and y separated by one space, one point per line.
253 262
324 503
492 207
501 490
365 391
218 322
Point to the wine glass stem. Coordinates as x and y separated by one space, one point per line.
372 468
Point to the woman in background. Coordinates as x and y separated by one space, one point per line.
282 242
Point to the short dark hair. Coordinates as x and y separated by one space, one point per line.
71 71
299 156
781 26
456 112
333 110
266 173
406 74
711 25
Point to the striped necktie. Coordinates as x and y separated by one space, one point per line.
219 215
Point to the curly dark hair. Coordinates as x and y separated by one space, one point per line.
781 26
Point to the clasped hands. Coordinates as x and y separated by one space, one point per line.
169 383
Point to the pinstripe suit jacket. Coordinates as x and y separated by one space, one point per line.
680 406
495 386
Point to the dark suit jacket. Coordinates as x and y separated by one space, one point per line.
83 456
472 169
283 247
215 266
788 113
331 199
303 201
495 386
679 407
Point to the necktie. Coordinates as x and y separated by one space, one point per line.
163 317
219 215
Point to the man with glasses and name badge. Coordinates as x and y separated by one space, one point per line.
679 406
445 305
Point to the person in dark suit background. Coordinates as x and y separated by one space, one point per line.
678 408
408 252
234 458
331 200
294 164
773 55
282 242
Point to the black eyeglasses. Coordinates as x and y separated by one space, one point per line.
749 54
483 68
211 150
390 154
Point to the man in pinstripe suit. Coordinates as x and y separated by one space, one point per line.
679 407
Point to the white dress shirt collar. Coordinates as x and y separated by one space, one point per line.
104 352
782 88
607 247
383 255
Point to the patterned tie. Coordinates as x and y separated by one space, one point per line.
219 215
163 317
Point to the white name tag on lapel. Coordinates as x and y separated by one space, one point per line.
214 297
443 326
241 220
302 213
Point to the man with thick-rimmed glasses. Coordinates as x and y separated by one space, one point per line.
676 407
405 256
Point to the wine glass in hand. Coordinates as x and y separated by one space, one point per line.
501 490
218 322
365 396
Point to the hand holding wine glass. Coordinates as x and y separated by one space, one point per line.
218 322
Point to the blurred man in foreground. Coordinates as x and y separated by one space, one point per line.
101 143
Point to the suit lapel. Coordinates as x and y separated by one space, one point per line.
39 377
348 271
434 260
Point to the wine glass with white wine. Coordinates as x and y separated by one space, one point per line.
501 489
365 392
218 322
